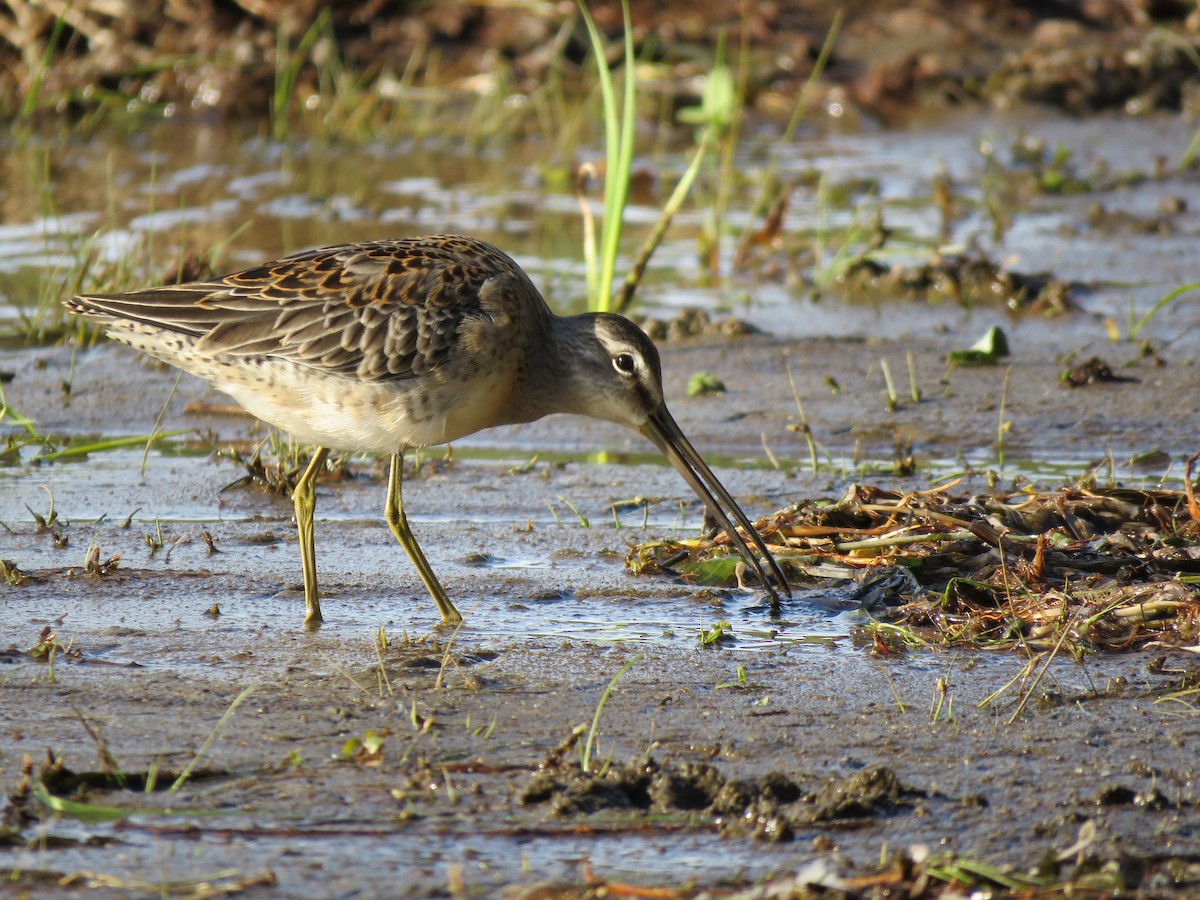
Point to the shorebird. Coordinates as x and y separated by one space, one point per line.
386 346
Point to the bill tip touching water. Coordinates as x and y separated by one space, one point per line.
386 346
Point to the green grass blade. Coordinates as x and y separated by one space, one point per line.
30 104
767 183
210 740
13 417
682 188
585 757
84 812
619 175
112 444
595 298
589 236
287 72
619 131
1159 306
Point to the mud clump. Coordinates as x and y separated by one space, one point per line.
771 807
692 322
862 795
962 279
686 787
570 791
1083 71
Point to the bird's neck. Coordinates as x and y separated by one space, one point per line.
550 376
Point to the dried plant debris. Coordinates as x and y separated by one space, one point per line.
11 573
1092 370
1090 867
279 475
1082 568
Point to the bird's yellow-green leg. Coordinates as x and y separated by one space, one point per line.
394 514
304 497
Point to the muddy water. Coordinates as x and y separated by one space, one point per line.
552 615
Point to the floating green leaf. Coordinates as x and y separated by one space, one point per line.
987 351
705 383
721 570
718 633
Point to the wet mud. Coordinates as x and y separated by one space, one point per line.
450 762
814 757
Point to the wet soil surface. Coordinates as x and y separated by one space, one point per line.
449 763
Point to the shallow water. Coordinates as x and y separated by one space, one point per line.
471 546
144 197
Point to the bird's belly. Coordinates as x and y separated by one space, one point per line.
377 417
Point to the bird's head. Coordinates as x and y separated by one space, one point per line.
614 371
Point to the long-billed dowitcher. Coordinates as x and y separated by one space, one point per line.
389 345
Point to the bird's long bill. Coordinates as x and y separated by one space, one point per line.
663 431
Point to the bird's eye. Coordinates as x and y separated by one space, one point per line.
624 363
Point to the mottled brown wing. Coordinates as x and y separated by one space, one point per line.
377 311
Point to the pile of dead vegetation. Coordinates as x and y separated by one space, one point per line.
1079 569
